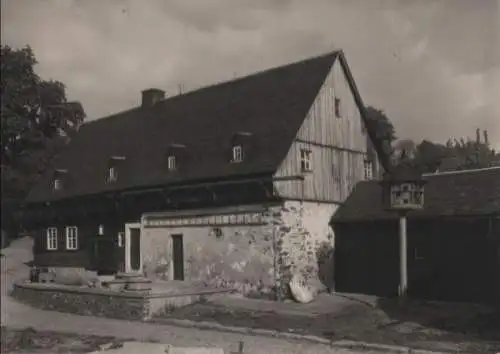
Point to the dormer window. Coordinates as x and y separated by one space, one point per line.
57 184
305 160
338 112
113 167
58 179
112 174
171 163
176 157
237 154
241 147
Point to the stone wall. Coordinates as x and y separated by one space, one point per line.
254 259
239 256
82 301
130 305
309 241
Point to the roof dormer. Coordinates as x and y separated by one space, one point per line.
241 147
176 156
114 166
59 179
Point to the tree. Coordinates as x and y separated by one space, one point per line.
381 124
378 121
37 120
429 156
456 154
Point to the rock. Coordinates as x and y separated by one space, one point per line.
302 291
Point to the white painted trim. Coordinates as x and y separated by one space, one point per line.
68 243
128 266
49 237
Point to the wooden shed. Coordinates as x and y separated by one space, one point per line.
453 243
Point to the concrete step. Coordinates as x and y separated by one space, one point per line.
128 275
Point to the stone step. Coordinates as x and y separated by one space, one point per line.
128 275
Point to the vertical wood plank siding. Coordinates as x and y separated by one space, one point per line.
338 146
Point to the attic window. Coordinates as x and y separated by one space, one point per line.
114 165
368 169
112 174
57 184
237 154
171 162
338 112
305 160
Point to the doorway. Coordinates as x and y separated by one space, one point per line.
178 256
133 257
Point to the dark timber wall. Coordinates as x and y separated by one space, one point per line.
452 259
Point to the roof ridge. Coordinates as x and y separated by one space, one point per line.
461 171
260 72
222 83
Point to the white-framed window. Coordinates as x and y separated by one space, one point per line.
71 238
51 238
338 108
171 162
112 174
237 153
57 184
305 160
120 241
368 169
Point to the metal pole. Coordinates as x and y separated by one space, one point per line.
403 266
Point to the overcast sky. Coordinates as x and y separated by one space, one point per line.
433 66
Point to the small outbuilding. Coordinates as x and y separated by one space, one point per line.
453 242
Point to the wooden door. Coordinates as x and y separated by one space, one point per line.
178 256
135 248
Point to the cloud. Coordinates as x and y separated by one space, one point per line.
432 65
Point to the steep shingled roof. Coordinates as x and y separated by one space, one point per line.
271 105
473 192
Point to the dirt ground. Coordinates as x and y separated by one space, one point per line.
418 324
31 341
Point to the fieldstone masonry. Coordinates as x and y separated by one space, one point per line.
256 260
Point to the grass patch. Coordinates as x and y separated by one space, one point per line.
419 325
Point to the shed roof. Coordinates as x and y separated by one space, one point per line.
470 192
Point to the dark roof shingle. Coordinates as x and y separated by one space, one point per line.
271 105
473 192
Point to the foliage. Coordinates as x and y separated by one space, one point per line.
37 120
463 154
428 156
378 121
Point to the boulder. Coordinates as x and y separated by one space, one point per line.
302 291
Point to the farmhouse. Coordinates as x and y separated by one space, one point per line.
453 242
232 184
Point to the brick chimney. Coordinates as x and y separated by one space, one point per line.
152 96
